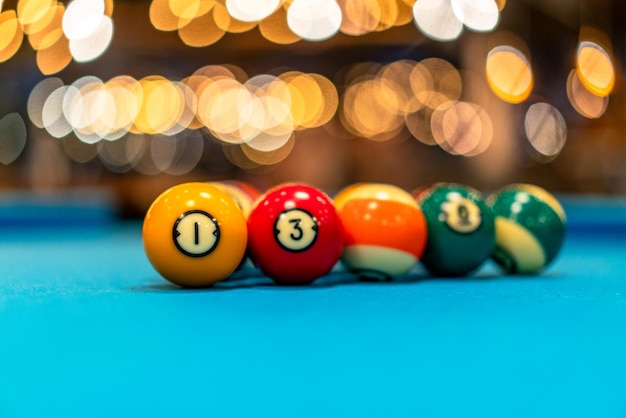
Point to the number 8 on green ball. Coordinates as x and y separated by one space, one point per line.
294 234
461 229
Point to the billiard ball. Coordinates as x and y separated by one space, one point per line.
295 235
461 229
530 228
385 230
194 234
245 195
242 192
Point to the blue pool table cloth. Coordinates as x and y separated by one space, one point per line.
89 329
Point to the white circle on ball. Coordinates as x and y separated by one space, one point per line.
461 215
295 230
196 233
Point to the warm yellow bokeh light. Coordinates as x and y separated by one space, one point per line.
270 157
595 68
462 128
370 109
190 9
227 23
274 28
49 34
509 74
42 19
31 11
11 34
399 73
55 58
161 16
161 107
359 17
201 31
582 100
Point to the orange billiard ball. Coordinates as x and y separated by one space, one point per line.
195 234
295 235
385 230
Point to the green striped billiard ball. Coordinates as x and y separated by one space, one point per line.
530 228
461 229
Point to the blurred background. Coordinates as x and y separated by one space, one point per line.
133 96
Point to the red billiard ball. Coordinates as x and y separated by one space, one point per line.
294 234
385 230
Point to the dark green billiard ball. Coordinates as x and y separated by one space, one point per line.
461 229
530 228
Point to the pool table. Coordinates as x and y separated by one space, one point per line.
89 329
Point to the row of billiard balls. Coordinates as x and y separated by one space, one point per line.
197 234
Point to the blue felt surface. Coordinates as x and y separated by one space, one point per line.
88 329
20 210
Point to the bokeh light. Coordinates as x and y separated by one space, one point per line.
262 112
314 20
13 141
361 17
462 128
203 22
545 130
11 34
423 97
509 73
82 31
38 96
251 10
595 68
275 29
478 15
95 44
402 95
200 31
437 20
82 18
584 101
52 116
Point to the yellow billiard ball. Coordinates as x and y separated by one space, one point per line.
195 234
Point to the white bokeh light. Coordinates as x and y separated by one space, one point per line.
478 15
545 129
91 47
82 18
314 20
437 20
251 10
52 114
